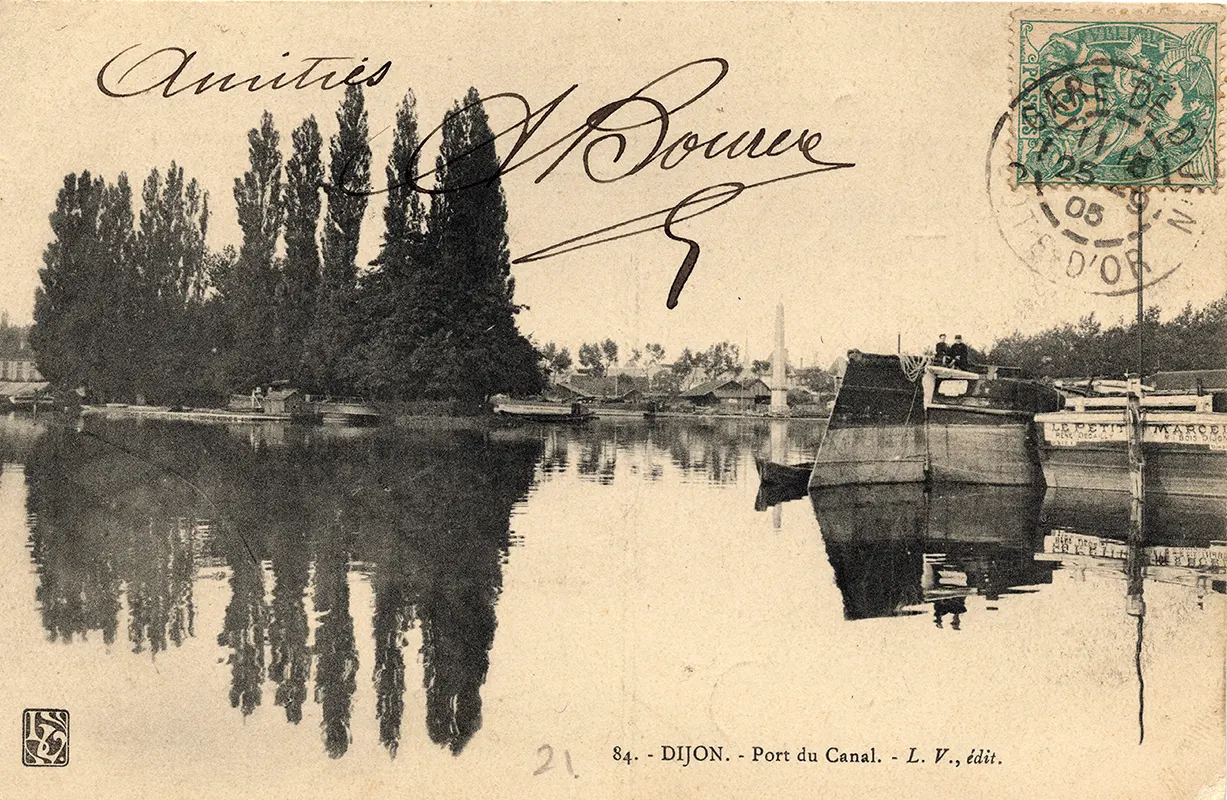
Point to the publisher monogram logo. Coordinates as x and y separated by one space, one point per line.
44 737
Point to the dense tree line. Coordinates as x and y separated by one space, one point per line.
1193 339
134 305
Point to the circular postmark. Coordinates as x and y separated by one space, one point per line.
1085 203
1088 238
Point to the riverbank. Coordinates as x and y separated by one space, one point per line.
413 415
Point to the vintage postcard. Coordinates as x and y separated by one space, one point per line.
613 400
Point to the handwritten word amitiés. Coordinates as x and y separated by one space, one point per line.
129 74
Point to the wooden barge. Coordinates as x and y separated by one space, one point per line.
892 425
1184 444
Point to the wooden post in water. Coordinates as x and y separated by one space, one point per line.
1137 461
1134 427
1135 604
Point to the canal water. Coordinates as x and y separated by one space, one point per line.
458 611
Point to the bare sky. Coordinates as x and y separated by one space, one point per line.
904 243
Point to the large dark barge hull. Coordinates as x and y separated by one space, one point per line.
876 431
881 431
998 451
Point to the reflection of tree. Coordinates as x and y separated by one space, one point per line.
244 627
290 657
336 652
464 548
427 513
392 619
160 584
443 536
106 517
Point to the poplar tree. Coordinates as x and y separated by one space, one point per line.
61 334
301 278
398 310
115 295
336 329
81 310
169 254
261 212
478 351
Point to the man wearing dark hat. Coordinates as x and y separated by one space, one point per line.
958 353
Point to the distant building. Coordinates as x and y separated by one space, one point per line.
729 392
19 375
18 365
604 388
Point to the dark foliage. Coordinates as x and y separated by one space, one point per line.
1190 340
134 307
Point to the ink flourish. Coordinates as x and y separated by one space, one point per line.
603 142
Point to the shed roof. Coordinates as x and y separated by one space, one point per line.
604 385
1191 380
728 387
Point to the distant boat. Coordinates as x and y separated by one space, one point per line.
623 412
772 474
1184 445
345 412
542 411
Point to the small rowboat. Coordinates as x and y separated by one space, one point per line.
772 494
773 474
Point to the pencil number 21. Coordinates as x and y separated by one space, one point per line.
547 752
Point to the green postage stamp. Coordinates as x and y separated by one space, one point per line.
1117 103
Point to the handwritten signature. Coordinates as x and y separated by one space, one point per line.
605 145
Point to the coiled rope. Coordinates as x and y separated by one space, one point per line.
913 366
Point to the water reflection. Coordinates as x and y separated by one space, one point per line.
135 527
126 513
710 449
1184 539
897 548
900 550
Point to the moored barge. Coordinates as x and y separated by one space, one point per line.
1184 445
905 421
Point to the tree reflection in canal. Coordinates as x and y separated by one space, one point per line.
125 514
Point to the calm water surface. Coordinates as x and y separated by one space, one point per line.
394 598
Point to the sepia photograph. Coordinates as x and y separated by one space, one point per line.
636 400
